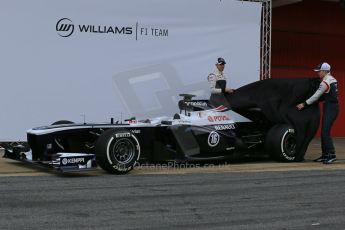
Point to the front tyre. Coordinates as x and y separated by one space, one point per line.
280 143
117 151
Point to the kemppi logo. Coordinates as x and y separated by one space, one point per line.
65 27
75 160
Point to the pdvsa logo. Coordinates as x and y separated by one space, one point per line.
65 27
218 118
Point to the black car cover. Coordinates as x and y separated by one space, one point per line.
277 99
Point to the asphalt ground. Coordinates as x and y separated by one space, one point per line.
260 200
245 195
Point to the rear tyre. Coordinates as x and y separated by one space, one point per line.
117 151
280 143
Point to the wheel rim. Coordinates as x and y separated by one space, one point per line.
123 151
290 145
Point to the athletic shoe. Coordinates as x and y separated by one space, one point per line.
322 158
330 159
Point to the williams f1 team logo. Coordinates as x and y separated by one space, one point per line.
65 27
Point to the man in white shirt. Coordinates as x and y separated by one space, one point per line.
217 82
329 91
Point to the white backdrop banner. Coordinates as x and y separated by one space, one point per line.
76 59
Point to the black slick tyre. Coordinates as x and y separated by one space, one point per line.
117 151
280 143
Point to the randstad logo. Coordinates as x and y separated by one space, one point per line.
65 27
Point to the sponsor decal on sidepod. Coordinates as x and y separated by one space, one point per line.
218 118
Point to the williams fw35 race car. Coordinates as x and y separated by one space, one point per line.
198 132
